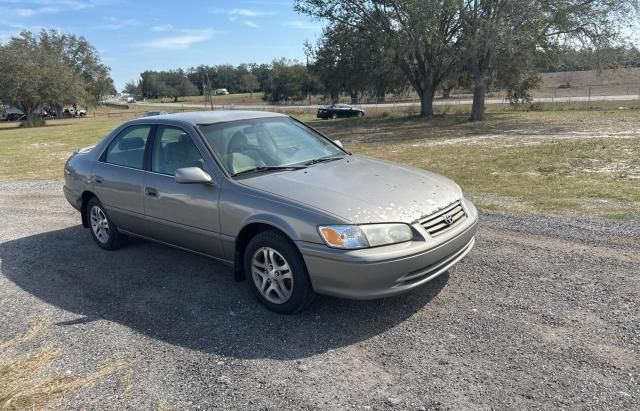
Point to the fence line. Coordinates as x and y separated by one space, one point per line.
411 106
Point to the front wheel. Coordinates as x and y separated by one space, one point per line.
277 274
334 116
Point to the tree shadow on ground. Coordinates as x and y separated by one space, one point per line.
189 300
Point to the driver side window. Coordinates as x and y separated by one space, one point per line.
174 149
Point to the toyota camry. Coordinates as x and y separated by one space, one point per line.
293 212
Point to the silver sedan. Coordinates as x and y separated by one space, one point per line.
292 211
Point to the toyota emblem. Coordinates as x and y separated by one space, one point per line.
448 219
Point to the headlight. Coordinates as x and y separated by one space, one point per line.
365 236
381 234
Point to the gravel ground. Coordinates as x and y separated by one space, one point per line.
543 313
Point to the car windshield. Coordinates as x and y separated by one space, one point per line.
267 144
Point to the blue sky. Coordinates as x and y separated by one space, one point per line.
133 36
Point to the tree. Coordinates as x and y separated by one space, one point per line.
514 31
497 35
84 62
172 83
289 80
423 35
34 75
177 84
261 72
133 88
249 82
346 61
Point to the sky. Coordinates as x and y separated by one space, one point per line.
134 36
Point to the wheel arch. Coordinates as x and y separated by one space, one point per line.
245 235
86 196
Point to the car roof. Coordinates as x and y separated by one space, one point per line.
212 117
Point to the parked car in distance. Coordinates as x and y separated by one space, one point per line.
131 100
293 212
15 117
339 110
154 113
221 92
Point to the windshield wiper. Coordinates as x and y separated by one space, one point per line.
323 160
267 168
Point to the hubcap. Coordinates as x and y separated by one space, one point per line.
99 224
272 275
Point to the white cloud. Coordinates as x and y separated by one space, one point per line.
162 27
25 12
116 23
179 42
242 12
29 8
251 24
299 24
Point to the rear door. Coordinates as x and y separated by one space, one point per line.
118 178
185 215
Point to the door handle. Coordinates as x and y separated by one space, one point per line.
97 179
151 192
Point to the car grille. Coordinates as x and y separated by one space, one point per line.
444 220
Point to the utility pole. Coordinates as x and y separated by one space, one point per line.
204 90
308 80
210 96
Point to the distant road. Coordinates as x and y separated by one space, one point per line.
450 102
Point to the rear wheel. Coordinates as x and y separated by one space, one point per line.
334 116
103 230
277 274
360 114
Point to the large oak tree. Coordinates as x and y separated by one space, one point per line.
424 35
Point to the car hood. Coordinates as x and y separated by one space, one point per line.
362 190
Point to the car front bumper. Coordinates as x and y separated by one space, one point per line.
389 270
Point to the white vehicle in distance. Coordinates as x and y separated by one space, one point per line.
221 92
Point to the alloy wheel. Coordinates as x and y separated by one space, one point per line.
99 224
272 275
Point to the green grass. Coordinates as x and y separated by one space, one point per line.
239 98
40 153
566 162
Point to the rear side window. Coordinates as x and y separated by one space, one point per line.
127 149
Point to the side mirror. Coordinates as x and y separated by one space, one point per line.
192 175
338 143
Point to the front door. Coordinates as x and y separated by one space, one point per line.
185 215
118 178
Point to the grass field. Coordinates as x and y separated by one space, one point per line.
566 162
239 98
605 83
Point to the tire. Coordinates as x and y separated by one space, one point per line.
282 291
103 230
334 116
360 114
